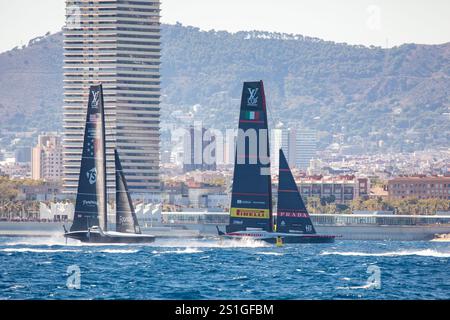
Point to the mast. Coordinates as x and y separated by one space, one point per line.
292 215
251 199
126 220
90 207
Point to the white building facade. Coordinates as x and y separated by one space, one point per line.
46 158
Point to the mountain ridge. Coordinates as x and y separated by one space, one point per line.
395 98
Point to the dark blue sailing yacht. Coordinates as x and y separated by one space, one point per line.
251 198
251 213
90 218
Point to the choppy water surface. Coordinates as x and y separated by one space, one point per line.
47 268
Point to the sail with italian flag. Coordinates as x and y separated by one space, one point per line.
251 199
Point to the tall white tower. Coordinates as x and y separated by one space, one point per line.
116 43
306 148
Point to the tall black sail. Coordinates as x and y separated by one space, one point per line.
251 199
126 220
90 207
292 215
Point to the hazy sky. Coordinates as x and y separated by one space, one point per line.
368 22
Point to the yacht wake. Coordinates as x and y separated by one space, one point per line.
34 250
422 253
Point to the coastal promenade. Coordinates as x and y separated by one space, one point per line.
195 229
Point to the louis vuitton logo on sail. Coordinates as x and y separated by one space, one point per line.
95 99
252 100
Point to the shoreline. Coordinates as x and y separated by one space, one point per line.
346 232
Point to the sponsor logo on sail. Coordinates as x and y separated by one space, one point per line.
250 213
252 100
125 220
292 214
250 202
92 176
95 99
89 203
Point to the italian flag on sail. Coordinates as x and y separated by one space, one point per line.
252 115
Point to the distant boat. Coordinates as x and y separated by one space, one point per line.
90 217
251 213
441 238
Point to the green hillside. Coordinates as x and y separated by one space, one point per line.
366 95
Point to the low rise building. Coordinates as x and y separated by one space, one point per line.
15 170
421 187
41 192
47 157
342 189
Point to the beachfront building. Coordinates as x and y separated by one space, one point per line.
421 187
342 189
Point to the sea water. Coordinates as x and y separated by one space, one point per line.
48 268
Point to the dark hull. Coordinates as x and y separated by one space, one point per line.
303 239
95 237
271 237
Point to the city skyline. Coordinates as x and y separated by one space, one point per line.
146 154
374 22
